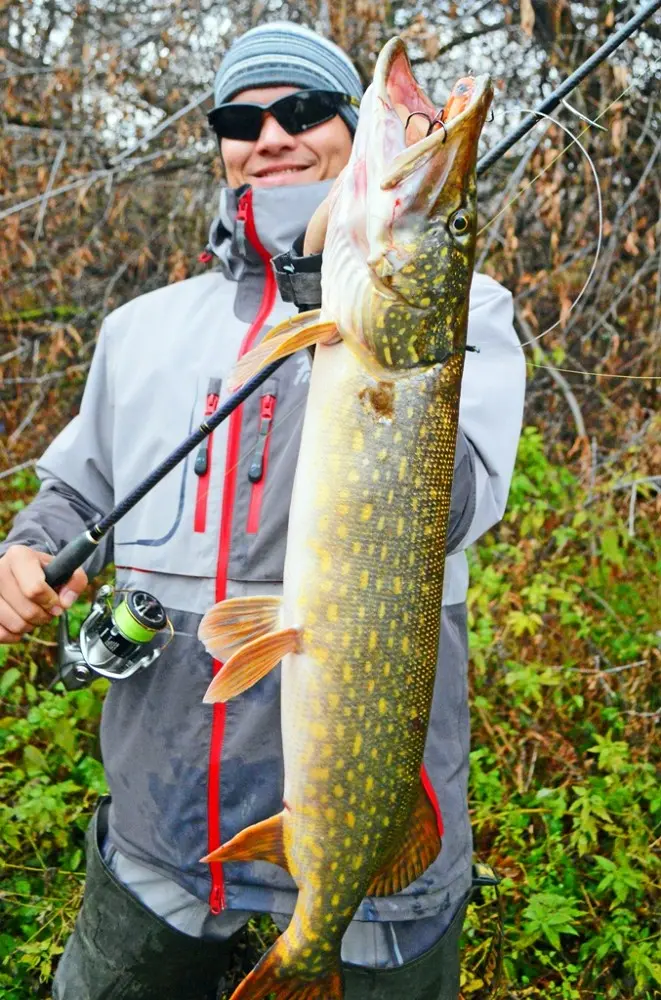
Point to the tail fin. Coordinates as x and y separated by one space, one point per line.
269 978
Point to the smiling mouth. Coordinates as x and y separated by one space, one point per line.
272 171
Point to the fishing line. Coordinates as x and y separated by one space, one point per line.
575 111
282 418
575 140
595 261
562 151
577 371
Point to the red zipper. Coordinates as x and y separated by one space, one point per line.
433 798
203 459
245 214
260 461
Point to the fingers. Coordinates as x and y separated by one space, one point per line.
315 234
26 573
23 606
73 588
26 600
11 623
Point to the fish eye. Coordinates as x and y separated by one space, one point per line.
460 223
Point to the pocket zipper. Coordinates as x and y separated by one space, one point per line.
259 464
202 466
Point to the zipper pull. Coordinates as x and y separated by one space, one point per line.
202 459
216 900
243 205
256 470
213 395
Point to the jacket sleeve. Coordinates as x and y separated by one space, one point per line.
490 414
76 475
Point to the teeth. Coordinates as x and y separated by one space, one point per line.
289 170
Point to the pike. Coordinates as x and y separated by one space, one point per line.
357 627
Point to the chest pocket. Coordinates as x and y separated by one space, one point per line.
270 443
157 535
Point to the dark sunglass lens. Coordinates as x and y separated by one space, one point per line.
237 121
305 109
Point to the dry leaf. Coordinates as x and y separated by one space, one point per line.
631 244
565 309
527 17
620 75
432 45
618 130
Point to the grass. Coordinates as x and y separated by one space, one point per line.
564 791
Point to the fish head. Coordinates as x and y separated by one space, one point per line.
406 205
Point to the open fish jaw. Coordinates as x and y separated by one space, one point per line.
396 269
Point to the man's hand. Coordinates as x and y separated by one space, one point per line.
26 600
315 237
315 234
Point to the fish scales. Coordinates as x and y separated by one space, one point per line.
359 699
358 626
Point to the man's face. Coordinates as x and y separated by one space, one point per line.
277 158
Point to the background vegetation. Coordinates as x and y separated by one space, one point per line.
108 181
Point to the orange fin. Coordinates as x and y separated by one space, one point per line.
291 323
270 978
237 621
414 854
250 663
261 842
284 339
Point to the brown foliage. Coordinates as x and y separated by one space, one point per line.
91 216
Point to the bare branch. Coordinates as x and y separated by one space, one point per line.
557 377
59 156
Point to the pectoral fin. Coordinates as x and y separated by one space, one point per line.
261 842
236 621
309 318
284 339
414 854
250 663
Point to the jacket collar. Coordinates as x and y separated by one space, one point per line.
278 215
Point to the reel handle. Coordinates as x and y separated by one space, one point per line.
66 562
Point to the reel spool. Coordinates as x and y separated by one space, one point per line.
113 642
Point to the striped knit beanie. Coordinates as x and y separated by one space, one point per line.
284 54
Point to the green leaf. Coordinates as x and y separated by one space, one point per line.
611 549
8 679
34 761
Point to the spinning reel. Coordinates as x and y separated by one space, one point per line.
114 642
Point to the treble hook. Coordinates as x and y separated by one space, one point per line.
438 121
432 121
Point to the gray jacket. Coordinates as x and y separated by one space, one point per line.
185 776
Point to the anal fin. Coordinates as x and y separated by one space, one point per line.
250 663
415 852
260 842
237 621
286 338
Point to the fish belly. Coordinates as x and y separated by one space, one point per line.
363 581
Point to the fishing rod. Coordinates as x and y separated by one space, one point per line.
554 99
74 554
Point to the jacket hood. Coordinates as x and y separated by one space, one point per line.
280 214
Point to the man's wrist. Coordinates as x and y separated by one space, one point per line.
299 276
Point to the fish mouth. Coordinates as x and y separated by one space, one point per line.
400 97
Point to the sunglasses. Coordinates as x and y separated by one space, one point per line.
295 113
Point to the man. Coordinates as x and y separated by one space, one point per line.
183 776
